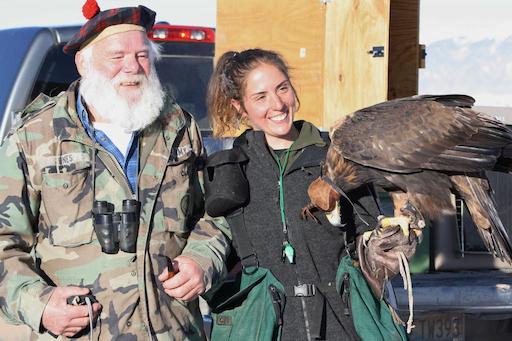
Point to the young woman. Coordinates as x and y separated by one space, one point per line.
284 157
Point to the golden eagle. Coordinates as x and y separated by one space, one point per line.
420 149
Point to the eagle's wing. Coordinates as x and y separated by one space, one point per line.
421 132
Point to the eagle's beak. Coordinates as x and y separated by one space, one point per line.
334 216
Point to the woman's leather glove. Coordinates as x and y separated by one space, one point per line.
379 254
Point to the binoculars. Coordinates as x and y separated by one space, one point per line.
117 230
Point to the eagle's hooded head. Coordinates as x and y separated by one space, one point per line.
324 197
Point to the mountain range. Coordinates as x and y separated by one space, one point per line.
482 69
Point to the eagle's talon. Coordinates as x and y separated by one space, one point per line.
419 234
402 221
366 237
416 218
306 213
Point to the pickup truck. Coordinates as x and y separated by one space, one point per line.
460 291
35 63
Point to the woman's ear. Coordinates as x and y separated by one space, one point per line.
238 107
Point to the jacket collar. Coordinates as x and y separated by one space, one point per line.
309 136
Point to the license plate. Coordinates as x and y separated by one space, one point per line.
437 327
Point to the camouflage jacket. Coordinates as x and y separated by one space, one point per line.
47 237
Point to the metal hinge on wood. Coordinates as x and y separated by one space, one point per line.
422 56
377 51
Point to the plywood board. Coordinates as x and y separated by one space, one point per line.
294 28
353 77
326 43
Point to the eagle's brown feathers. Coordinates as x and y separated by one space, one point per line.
427 147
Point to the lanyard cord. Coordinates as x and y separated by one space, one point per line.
93 185
282 169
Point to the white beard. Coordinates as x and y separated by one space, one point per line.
101 94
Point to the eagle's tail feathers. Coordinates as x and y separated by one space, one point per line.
496 237
484 214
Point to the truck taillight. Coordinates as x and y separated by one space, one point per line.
182 33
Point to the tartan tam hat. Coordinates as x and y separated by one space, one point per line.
102 24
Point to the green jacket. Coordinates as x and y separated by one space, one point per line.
46 232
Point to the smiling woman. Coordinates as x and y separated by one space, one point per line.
269 103
283 258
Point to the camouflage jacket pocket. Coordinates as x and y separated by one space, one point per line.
176 202
67 202
177 193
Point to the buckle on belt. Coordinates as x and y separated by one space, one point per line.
304 290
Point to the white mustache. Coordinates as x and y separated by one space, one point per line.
120 79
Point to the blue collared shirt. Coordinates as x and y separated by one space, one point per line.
128 164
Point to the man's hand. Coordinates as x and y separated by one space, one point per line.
379 255
61 318
188 281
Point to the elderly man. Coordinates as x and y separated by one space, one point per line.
100 197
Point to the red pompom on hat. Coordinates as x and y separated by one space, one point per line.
90 9
102 24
